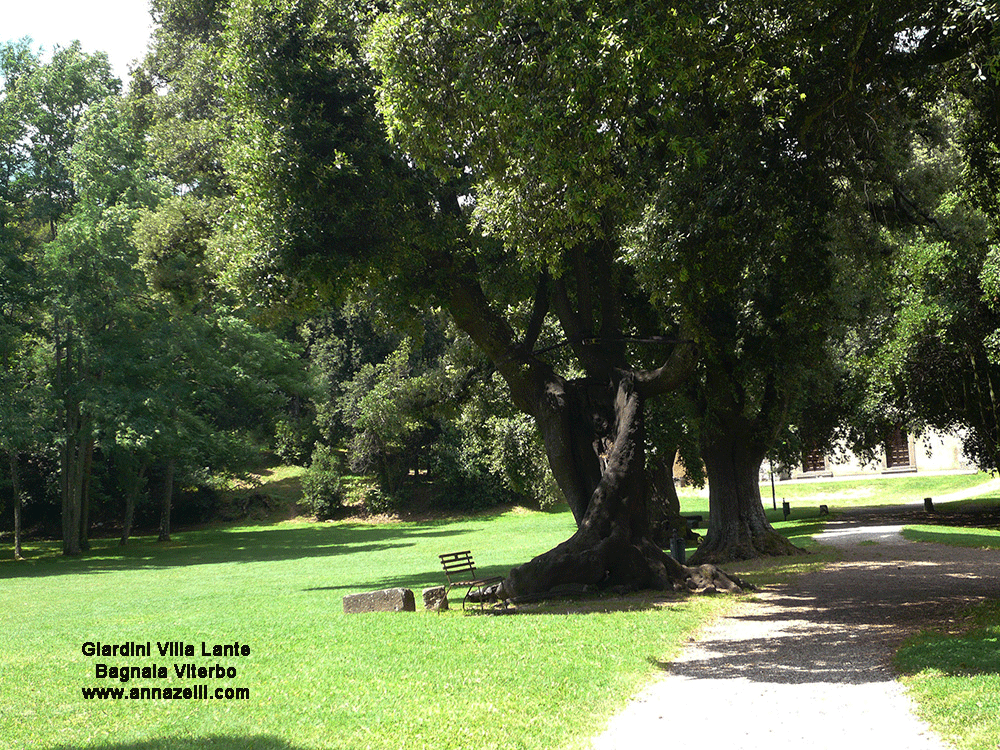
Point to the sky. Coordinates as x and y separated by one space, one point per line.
119 27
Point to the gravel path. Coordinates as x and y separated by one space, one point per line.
807 665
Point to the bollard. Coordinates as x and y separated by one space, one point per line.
677 549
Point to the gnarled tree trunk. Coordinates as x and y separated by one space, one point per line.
593 432
607 489
738 529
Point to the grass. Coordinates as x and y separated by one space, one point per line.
955 536
319 678
853 493
955 678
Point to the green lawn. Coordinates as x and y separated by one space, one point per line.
852 493
318 678
956 536
955 678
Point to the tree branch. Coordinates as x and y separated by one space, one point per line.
524 374
672 374
538 312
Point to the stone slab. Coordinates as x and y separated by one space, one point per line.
386 600
436 598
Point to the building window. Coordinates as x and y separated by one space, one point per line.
897 450
814 460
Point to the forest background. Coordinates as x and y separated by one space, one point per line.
307 231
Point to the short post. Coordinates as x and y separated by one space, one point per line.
786 509
774 499
928 505
678 549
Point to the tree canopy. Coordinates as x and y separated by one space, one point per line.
655 225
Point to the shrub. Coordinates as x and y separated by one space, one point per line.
293 439
321 488
462 481
376 501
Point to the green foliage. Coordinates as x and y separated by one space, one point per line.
490 440
605 79
377 502
389 431
930 359
173 244
176 93
321 488
294 438
319 190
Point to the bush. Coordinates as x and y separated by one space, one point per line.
293 439
322 493
376 501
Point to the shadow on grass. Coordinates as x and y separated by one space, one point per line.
958 656
214 546
967 646
212 742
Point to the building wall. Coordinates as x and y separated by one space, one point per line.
930 452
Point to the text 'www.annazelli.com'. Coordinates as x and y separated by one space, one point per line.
190 693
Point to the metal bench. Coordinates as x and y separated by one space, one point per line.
460 570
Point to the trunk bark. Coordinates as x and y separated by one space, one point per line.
88 465
593 433
613 546
72 465
738 529
168 494
134 471
15 478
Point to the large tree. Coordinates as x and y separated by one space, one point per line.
321 188
557 139
50 103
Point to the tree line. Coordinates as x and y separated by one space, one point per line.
599 233
134 381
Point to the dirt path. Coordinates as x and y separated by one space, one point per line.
808 664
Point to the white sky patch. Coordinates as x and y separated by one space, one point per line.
119 27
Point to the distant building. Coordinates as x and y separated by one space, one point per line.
902 453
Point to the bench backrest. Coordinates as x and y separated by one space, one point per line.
458 564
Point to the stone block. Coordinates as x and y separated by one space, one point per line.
436 598
387 600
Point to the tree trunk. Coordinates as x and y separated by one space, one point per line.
15 478
738 529
593 433
88 465
72 464
168 493
128 519
134 471
665 518
612 546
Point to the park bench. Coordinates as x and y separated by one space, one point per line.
460 570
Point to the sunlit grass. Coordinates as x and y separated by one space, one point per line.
852 493
955 536
319 678
955 678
